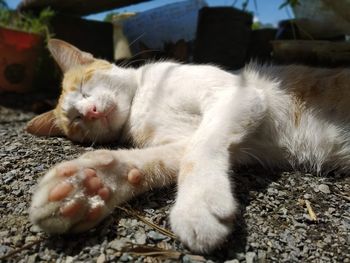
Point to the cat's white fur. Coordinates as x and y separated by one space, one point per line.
198 120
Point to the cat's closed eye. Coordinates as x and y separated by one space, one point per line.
77 119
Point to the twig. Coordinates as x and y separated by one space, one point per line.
24 247
149 223
311 212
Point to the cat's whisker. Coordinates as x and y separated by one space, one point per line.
85 135
93 142
246 151
51 128
134 41
135 61
132 60
39 127
98 133
145 52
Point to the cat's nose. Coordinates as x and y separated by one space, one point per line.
93 113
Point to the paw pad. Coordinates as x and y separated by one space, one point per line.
71 209
80 194
60 191
134 176
76 195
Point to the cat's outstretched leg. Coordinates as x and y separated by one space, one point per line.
76 195
205 207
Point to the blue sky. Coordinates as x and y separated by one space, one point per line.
266 11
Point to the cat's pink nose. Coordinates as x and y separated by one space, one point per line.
93 114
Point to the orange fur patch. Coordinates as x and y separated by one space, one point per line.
326 90
154 167
157 168
74 77
186 169
298 111
71 82
143 136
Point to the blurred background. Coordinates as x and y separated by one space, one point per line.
228 33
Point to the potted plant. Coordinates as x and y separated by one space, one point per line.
21 40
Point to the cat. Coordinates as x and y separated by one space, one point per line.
189 124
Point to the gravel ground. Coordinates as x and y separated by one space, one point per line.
274 226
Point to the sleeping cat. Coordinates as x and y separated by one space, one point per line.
189 124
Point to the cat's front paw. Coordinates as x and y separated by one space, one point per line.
203 218
76 195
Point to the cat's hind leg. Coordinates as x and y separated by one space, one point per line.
205 207
76 195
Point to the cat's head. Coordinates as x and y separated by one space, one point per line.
95 100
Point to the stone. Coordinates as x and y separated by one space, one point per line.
125 257
307 196
261 256
35 229
32 258
101 258
155 236
140 238
324 188
118 244
30 239
69 259
4 249
250 257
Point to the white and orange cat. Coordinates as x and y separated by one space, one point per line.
189 124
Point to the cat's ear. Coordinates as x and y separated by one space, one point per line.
68 56
44 125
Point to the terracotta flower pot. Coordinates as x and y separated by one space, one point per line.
19 53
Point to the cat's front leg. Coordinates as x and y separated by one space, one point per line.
205 207
76 195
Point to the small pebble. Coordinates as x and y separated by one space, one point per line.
4 249
125 257
69 259
101 258
32 258
35 229
30 239
140 238
324 188
155 236
118 244
261 256
307 196
250 257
